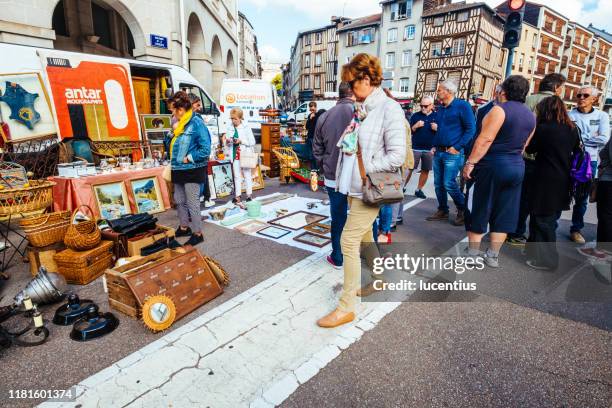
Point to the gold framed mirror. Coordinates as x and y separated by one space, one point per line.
158 312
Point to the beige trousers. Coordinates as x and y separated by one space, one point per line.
357 231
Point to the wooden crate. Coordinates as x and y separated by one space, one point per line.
134 245
184 277
44 257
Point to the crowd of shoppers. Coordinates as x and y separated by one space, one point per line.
520 156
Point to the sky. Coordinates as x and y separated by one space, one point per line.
277 22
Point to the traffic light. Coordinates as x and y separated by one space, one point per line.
514 22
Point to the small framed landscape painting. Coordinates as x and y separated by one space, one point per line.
147 195
112 200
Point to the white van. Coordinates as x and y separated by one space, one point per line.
301 113
250 95
69 77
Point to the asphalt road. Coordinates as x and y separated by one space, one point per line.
493 347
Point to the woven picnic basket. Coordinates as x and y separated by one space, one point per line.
37 196
82 267
83 235
46 229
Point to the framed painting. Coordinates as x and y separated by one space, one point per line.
317 229
156 123
297 220
147 195
274 232
223 179
258 182
312 239
112 200
25 107
251 227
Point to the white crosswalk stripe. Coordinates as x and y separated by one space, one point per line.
253 350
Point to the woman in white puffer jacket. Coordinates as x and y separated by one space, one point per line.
382 140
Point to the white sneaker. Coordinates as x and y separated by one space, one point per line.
209 203
202 199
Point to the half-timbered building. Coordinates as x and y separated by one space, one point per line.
461 42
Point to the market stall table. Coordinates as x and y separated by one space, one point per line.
69 193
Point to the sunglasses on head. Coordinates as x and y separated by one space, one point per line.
425 106
582 95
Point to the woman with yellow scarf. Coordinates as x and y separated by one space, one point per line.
188 147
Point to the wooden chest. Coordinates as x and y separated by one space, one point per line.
184 277
82 267
44 257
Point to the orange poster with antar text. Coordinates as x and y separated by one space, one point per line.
92 99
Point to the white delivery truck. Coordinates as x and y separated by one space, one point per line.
93 96
250 95
301 112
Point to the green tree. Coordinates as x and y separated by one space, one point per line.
277 81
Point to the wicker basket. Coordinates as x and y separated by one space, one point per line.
46 229
37 196
82 267
84 235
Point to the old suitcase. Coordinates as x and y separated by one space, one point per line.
184 277
82 267
44 257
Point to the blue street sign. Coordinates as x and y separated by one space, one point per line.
159 41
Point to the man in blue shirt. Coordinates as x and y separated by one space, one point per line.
423 125
456 128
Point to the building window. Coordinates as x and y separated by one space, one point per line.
351 38
431 82
392 35
436 49
404 85
58 20
534 43
306 81
530 66
318 38
306 60
488 47
459 46
318 59
454 76
401 10
438 21
307 39
409 32
317 81
463 16
366 36
387 84
102 25
502 53
390 60
521 60
407 58
483 85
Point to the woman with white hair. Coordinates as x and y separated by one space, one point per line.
240 138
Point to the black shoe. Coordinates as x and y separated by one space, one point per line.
180 232
173 244
399 221
249 199
195 239
420 194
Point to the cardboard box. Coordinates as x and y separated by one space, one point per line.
135 245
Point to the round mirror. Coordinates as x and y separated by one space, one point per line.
158 312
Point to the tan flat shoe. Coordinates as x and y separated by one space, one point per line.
336 318
367 290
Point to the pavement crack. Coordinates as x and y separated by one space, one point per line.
578 380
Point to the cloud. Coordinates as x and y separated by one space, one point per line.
320 9
270 53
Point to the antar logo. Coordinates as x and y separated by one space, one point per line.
83 96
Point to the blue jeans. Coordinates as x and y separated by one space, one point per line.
338 207
385 217
446 167
580 206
